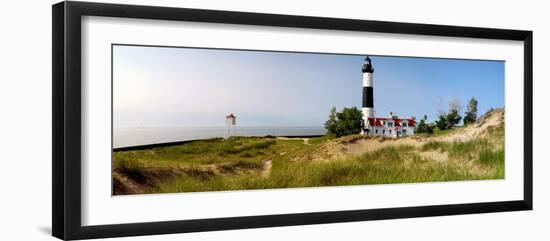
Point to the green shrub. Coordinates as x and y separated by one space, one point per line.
424 127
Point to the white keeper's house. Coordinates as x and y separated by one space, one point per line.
391 126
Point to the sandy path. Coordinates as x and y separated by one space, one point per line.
369 145
266 169
305 140
129 185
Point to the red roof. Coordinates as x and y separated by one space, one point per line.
375 121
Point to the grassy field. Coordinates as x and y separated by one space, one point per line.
240 163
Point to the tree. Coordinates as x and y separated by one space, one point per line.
441 122
449 118
424 127
453 118
453 115
471 113
348 121
332 122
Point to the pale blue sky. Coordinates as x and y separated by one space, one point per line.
163 86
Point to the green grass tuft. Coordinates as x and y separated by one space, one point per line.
435 145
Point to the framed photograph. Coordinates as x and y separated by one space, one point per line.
169 120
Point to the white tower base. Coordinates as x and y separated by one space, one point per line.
367 112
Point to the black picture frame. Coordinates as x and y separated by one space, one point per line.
66 157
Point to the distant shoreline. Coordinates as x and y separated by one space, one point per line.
132 137
174 143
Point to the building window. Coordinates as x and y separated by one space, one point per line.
383 131
404 124
390 131
404 132
390 124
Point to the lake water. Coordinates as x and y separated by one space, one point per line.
126 137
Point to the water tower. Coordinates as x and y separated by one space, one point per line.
230 121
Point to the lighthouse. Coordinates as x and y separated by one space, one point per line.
368 98
391 126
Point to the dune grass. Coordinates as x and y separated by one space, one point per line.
446 132
202 152
387 165
238 163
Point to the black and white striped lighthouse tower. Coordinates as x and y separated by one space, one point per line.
368 97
